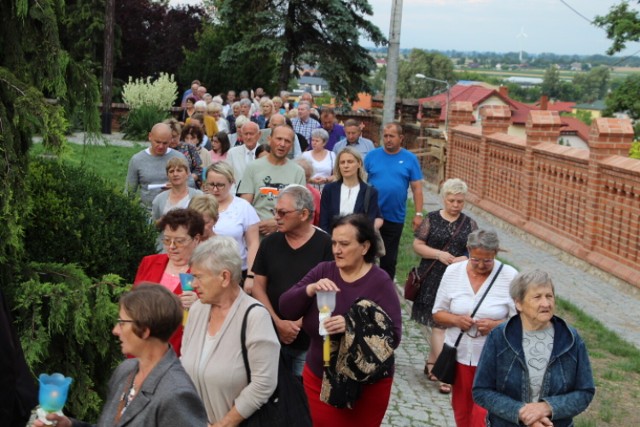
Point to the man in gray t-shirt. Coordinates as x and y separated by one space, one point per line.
265 177
147 169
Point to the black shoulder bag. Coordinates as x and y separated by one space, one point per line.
287 406
445 367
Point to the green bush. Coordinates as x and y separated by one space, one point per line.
77 217
140 120
64 320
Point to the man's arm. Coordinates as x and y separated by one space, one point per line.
287 330
416 189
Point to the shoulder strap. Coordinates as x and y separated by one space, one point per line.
243 338
367 197
482 299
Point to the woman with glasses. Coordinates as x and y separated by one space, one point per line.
179 193
462 287
440 241
152 388
237 218
181 232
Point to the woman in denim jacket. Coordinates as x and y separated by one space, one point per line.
534 369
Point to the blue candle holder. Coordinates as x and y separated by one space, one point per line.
53 391
186 282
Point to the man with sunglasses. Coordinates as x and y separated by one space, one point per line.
283 259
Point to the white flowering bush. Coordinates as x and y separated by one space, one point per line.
149 102
159 93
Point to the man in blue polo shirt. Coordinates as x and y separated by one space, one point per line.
392 169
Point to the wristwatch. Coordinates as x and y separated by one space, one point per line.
419 214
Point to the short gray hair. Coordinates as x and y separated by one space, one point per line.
524 281
219 253
245 101
483 239
320 133
453 186
302 197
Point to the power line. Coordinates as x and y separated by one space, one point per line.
576 12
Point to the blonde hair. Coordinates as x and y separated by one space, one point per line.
177 162
205 204
362 174
222 168
453 186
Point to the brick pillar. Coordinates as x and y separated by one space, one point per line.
409 113
495 119
607 137
461 113
543 126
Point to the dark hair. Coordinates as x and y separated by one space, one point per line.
261 149
192 130
188 218
352 123
152 306
225 145
193 99
397 126
364 232
327 111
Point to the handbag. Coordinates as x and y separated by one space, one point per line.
414 279
287 406
445 367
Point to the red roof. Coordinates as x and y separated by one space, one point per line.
573 125
562 107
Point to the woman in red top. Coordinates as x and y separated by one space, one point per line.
182 230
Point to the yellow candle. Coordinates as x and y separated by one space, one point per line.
185 316
326 350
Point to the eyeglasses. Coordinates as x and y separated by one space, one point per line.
121 322
178 242
217 186
473 332
483 261
281 212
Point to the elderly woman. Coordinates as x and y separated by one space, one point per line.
212 346
463 284
220 145
321 159
353 275
189 110
207 206
308 171
182 230
534 369
238 218
214 109
440 241
151 389
350 193
179 194
231 118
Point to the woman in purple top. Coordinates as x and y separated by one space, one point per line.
353 275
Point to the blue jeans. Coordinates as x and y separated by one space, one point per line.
294 359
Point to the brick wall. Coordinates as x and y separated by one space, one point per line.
586 202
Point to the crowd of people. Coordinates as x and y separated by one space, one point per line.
258 200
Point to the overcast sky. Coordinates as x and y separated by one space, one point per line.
493 25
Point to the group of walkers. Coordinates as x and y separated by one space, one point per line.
202 353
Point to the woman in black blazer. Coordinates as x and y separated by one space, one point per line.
350 193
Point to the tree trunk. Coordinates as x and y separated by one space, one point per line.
289 56
107 66
389 112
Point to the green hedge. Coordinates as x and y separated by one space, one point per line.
76 217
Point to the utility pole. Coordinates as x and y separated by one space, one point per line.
393 54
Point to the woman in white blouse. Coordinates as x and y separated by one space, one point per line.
237 218
321 159
462 286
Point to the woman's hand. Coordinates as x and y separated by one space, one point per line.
187 298
464 322
335 325
59 421
322 285
446 258
486 325
544 422
248 285
534 412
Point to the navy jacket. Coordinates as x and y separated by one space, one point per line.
501 383
330 204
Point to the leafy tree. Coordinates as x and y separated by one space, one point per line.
622 25
153 37
321 31
625 98
239 72
432 65
551 84
592 85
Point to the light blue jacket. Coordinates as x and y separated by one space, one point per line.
501 383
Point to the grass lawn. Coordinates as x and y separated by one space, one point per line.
615 362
